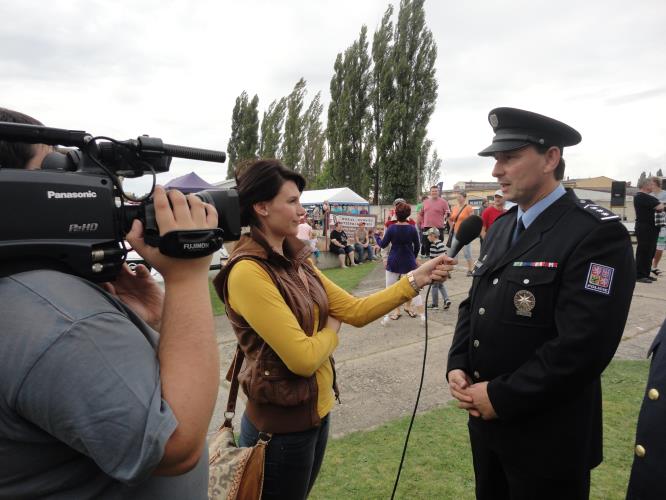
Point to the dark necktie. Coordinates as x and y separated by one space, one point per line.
520 227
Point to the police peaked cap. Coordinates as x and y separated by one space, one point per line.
517 128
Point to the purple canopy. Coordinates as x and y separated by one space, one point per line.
189 183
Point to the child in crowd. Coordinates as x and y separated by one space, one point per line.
307 235
437 248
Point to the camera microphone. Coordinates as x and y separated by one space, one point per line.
469 229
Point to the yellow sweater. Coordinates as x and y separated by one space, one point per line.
253 295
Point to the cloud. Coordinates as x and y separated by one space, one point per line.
637 96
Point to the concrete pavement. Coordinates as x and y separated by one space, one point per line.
379 368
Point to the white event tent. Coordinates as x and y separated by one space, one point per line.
335 196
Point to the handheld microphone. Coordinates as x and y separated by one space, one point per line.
469 229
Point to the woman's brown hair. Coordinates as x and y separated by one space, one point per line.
259 181
402 211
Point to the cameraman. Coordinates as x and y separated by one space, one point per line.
94 403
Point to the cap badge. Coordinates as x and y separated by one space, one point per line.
524 301
493 120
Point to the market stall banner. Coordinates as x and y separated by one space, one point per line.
350 222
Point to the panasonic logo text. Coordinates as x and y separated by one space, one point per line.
66 195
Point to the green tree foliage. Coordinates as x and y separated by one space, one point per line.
349 129
659 173
383 91
271 129
234 140
641 177
244 140
314 141
431 171
408 112
292 147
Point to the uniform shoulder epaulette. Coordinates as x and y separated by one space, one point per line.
600 213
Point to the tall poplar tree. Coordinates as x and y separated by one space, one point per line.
314 139
349 118
244 140
234 140
408 112
432 169
292 146
271 129
383 91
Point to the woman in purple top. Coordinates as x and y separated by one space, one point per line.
404 240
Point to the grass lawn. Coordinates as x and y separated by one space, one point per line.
438 463
345 278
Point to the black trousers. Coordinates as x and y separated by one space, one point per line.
646 245
498 480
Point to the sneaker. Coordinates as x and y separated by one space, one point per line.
469 273
447 304
385 321
644 280
433 306
651 278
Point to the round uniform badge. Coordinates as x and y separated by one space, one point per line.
493 120
524 301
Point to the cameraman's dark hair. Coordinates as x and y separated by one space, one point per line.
402 211
16 154
559 170
261 180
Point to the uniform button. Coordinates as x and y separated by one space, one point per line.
653 394
267 373
526 281
476 343
640 451
482 311
477 374
495 281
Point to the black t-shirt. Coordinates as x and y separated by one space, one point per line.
644 205
340 236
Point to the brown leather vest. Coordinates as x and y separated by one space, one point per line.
278 400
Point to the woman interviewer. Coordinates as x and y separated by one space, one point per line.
286 316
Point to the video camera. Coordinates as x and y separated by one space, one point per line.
76 212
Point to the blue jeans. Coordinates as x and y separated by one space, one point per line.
360 250
441 289
293 460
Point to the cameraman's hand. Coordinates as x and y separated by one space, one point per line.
187 213
140 292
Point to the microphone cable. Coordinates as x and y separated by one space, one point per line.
418 396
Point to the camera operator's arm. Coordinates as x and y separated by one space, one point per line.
188 354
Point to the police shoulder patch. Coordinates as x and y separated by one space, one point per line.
600 213
599 278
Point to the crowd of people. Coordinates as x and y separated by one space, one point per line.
108 391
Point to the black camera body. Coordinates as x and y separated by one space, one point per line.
74 211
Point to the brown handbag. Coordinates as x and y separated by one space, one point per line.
235 473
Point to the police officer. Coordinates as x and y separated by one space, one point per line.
647 480
547 307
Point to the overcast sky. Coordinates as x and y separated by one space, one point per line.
173 69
